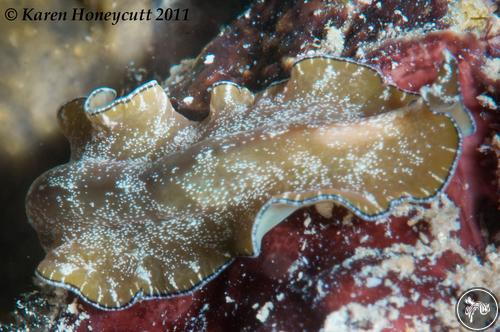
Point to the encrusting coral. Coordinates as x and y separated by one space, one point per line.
154 205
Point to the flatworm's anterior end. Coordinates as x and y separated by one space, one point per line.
133 126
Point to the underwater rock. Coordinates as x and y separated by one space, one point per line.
259 47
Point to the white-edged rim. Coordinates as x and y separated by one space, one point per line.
116 101
139 295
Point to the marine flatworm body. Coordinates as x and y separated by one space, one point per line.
154 205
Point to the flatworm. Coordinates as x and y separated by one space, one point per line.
154 205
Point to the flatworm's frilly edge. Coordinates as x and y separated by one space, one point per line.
154 205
